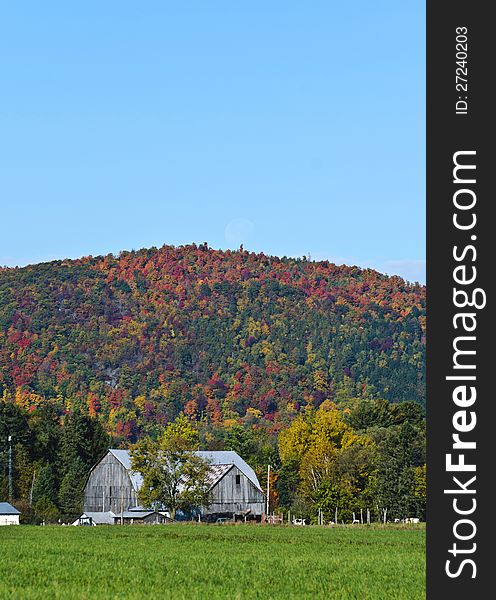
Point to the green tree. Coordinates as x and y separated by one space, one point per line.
240 440
45 509
70 497
14 423
45 484
23 472
83 438
400 451
287 484
173 475
45 425
364 414
83 443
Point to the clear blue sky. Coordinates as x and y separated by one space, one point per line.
291 127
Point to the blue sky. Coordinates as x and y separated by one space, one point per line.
291 127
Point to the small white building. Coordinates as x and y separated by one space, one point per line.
9 515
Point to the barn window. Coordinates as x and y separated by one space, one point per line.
238 479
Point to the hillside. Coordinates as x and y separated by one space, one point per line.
226 336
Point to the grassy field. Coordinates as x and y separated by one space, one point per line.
209 562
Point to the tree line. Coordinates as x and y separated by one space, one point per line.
51 458
365 455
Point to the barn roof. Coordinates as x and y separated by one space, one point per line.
8 509
229 457
134 514
217 472
221 460
99 518
124 458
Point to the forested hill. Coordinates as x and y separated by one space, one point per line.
221 335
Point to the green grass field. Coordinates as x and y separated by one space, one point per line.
210 562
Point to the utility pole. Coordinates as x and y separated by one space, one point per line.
10 468
268 489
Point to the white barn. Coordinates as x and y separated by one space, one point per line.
113 486
9 515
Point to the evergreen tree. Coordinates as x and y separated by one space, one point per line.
401 451
45 484
45 425
23 472
83 439
70 497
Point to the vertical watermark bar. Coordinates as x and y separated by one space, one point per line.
460 403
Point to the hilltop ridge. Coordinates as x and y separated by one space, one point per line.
230 336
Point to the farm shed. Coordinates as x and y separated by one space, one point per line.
9 515
95 518
144 517
113 486
127 517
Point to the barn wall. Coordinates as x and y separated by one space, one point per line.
109 487
230 497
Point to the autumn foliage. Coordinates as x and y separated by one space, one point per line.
223 336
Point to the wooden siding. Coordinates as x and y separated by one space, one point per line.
109 487
231 498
